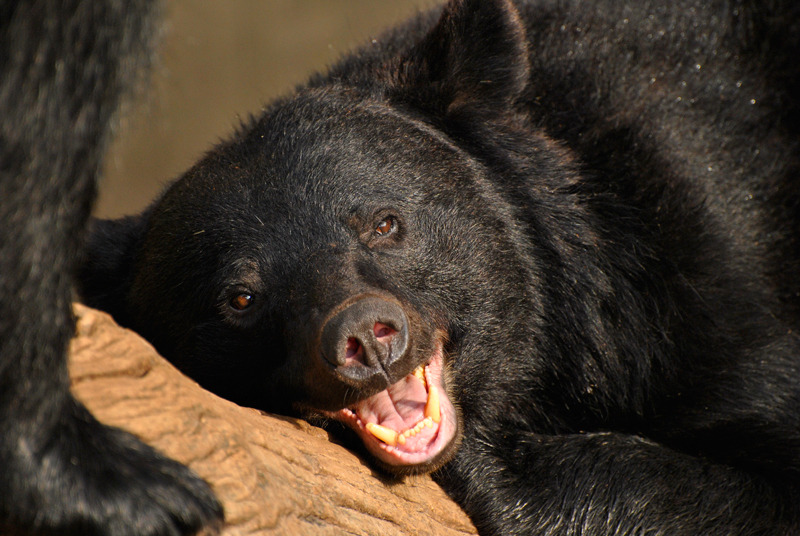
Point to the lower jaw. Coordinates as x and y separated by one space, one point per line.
394 456
422 447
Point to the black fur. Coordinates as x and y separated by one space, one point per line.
64 65
592 207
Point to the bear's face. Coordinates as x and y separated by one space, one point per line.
320 270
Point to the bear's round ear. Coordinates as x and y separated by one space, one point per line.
105 271
476 55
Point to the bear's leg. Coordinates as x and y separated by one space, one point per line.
64 65
609 484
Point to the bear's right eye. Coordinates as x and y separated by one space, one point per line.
242 301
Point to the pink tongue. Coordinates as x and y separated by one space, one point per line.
399 407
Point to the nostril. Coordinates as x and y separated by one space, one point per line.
383 333
352 347
353 351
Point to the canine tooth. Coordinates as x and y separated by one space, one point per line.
401 439
432 406
387 435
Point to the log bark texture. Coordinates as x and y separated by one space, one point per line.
274 475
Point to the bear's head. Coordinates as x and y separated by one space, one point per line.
345 251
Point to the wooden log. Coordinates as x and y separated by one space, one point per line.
274 475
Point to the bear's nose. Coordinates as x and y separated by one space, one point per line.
370 332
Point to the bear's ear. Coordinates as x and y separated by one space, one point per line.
105 272
475 55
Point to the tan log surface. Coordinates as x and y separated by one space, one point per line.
274 475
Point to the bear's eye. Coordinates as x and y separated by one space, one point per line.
386 226
242 301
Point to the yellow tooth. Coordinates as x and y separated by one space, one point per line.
387 435
432 406
428 422
401 439
419 372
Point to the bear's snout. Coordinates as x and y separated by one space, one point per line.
365 338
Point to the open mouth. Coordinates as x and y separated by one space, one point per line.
412 424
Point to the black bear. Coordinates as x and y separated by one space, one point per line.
548 251
64 65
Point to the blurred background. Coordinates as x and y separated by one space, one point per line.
219 61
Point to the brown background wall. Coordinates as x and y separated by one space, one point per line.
220 61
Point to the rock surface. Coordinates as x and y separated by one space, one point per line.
274 475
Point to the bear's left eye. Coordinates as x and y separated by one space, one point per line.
242 301
386 226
